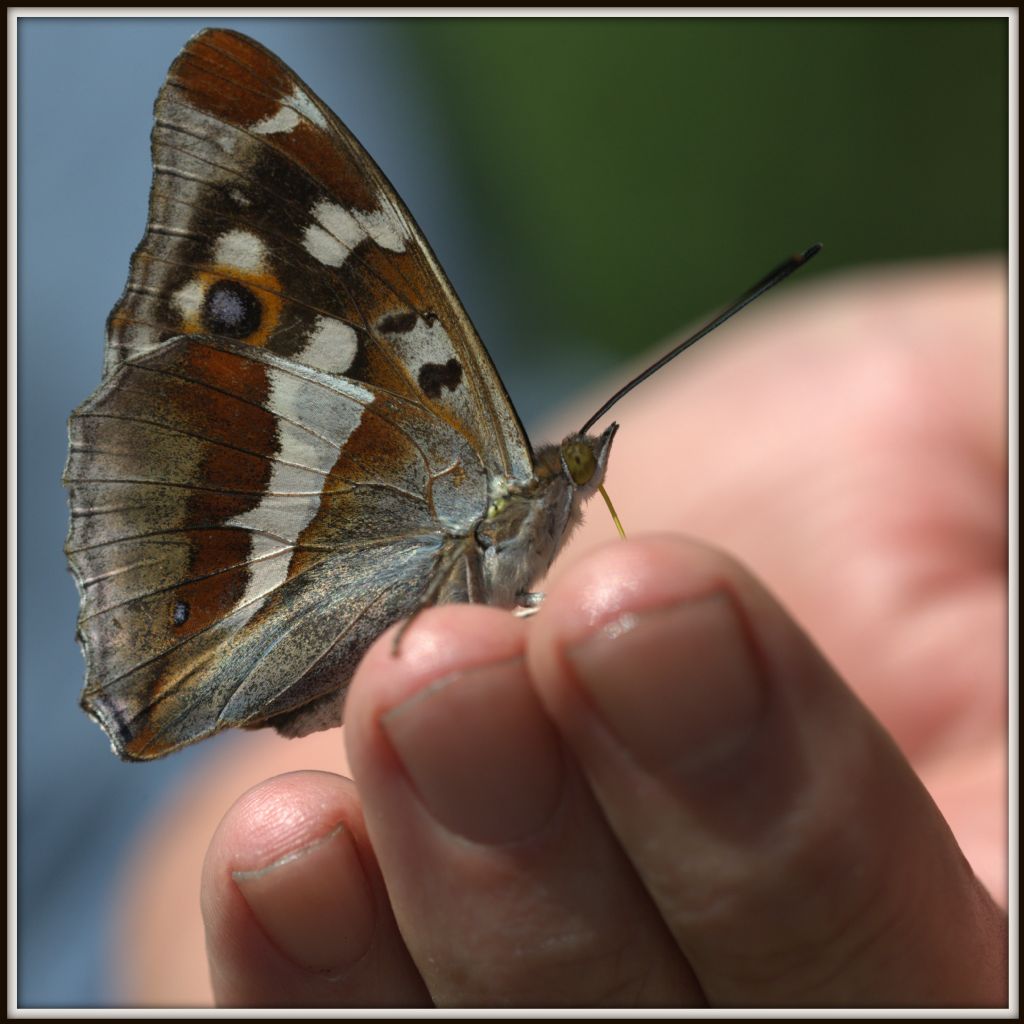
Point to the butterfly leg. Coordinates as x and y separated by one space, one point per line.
528 603
457 578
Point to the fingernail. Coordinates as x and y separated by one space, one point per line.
480 752
680 687
314 904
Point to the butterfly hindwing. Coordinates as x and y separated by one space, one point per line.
202 542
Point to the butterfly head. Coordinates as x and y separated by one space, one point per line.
584 459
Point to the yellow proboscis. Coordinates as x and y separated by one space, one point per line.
611 508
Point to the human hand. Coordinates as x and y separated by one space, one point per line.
655 794
772 846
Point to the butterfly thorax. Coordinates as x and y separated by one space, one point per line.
527 524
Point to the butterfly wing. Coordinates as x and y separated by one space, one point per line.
270 224
297 422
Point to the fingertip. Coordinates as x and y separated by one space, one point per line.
611 587
634 575
435 730
606 593
492 849
438 642
646 651
741 773
281 872
294 908
271 821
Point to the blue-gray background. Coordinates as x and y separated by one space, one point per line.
84 113
588 185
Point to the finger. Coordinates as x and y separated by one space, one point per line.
791 850
506 883
295 910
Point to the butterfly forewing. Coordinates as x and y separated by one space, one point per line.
297 420
269 223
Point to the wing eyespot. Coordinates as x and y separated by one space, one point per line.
232 310
180 613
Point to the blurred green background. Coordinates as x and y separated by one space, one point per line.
634 175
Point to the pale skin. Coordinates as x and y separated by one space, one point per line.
754 756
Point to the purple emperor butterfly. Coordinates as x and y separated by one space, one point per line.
299 438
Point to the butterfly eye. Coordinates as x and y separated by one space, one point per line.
578 459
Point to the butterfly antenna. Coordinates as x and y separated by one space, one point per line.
780 273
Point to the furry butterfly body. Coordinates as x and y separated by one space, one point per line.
299 437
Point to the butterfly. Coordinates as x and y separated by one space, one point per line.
298 438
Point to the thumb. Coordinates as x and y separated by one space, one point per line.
787 843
